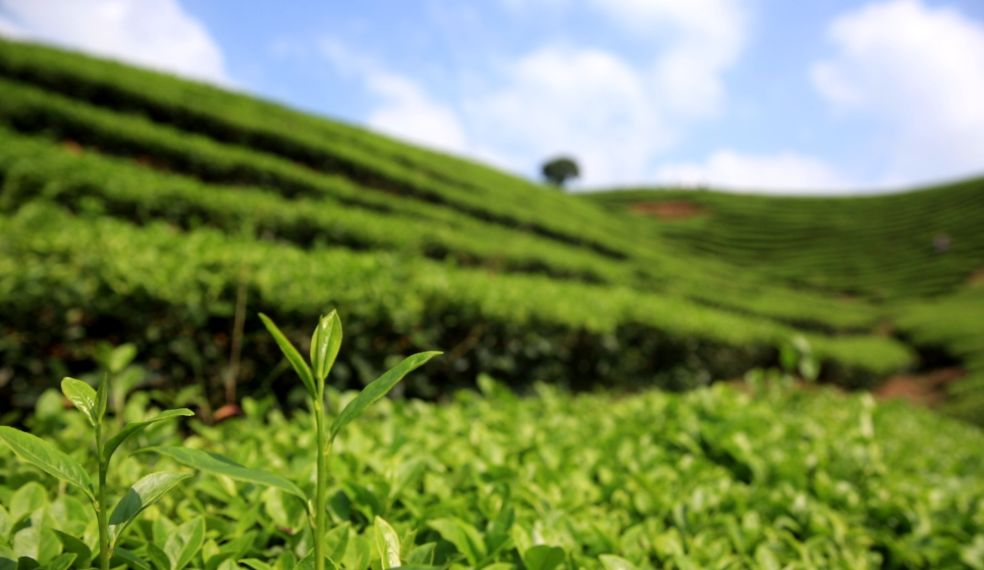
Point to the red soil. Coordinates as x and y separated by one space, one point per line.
925 389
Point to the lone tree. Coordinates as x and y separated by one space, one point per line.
558 170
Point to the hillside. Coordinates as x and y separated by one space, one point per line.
917 256
140 207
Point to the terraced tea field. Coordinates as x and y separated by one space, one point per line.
146 212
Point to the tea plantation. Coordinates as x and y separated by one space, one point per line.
162 217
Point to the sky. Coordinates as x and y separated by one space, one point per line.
818 97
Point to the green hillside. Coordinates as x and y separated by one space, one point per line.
916 256
211 201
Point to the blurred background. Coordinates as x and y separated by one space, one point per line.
592 193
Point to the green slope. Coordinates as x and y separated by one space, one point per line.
885 249
140 206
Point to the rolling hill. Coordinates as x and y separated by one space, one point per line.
140 207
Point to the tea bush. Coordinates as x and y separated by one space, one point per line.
714 478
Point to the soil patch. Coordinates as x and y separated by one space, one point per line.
668 210
72 147
976 278
925 389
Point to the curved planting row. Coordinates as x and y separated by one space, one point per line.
917 243
175 293
239 120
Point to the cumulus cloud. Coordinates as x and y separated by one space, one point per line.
402 106
585 102
785 172
706 37
157 34
919 72
407 111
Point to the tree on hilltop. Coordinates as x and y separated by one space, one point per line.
558 170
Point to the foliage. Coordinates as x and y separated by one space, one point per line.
711 478
875 246
141 495
560 169
152 282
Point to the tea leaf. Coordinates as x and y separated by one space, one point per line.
47 458
84 398
182 546
144 493
294 357
325 343
543 557
387 543
133 427
120 357
379 388
462 535
102 397
217 464
74 545
60 562
124 557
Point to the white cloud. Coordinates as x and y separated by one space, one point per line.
407 111
785 172
919 72
583 102
706 37
403 108
158 34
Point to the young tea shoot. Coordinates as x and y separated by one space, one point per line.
313 373
48 458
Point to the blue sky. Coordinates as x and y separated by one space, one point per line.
821 97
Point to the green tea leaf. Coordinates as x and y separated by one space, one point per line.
47 458
325 343
133 427
61 562
102 396
294 357
462 535
75 546
543 557
83 397
387 543
339 537
124 557
144 493
217 464
120 357
30 497
182 546
379 388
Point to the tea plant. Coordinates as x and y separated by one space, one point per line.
48 458
325 344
